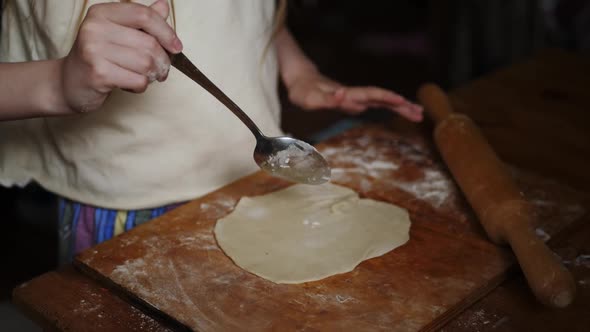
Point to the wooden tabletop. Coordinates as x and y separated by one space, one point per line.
535 116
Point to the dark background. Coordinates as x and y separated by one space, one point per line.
401 44
394 44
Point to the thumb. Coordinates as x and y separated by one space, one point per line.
161 7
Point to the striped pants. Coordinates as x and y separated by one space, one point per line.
82 226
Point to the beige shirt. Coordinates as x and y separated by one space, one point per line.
174 142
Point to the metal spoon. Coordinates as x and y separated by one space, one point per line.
284 157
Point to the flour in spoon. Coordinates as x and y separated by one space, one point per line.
288 156
298 162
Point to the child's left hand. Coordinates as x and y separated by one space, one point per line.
312 91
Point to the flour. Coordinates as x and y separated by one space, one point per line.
134 269
479 321
435 187
127 240
381 165
568 212
542 234
344 298
133 273
162 279
198 241
222 201
330 299
548 210
161 70
299 162
285 158
87 307
219 206
366 160
376 161
583 261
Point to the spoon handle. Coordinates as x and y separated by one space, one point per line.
182 63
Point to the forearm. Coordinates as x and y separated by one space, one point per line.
31 89
292 60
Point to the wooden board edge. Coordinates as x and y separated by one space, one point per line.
130 298
478 294
31 313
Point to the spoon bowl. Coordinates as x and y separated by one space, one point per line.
291 159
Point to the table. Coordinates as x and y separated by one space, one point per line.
535 116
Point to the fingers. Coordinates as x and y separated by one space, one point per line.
358 99
137 16
319 92
408 112
112 32
148 58
373 94
162 8
119 45
417 112
139 62
113 76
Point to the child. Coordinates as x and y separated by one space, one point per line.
141 155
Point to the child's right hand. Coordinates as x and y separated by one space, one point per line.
119 45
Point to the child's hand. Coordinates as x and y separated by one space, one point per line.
119 45
312 91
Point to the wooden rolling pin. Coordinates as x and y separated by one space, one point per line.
500 206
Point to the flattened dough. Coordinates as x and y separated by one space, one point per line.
306 233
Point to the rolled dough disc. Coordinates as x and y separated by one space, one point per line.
305 233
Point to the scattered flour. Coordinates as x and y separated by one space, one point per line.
219 207
156 278
365 159
334 299
567 212
583 261
542 234
480 321
87 307
199 241
344 298
435 187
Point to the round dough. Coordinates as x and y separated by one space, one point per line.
306 233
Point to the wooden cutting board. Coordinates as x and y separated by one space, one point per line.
173 268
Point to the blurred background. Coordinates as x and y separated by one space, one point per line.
401 44
395 44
